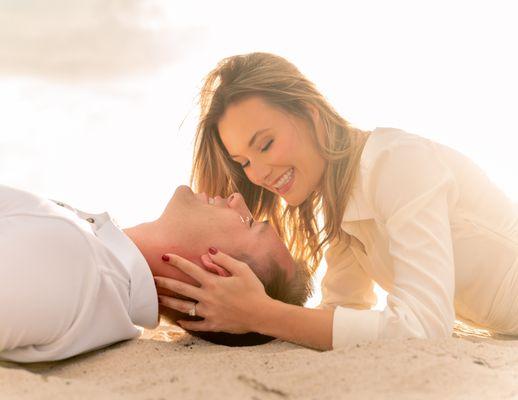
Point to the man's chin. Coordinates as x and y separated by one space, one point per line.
183 190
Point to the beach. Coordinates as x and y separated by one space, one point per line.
99 106
169 364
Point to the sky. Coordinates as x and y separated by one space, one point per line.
98 97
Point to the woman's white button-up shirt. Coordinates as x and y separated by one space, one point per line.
431 229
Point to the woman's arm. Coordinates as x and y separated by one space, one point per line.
305 326
239 304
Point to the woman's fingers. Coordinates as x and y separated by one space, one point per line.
196 325
179 287
176 304
235 267
213 267
188 267
224 304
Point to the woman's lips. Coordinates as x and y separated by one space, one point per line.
287 186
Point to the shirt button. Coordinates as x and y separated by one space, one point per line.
91 220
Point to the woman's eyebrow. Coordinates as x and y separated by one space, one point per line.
254 138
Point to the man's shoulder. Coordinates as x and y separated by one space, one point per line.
29 222
37 211
13 200
48 242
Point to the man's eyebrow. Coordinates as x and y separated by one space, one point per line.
254 138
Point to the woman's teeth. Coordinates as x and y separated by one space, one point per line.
284 179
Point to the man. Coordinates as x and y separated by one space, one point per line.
74 282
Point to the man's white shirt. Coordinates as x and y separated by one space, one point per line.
71 282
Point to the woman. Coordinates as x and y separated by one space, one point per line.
415 216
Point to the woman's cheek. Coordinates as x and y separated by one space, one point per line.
283 151
252 178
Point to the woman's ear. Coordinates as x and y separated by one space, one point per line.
315 115
317 123
213 268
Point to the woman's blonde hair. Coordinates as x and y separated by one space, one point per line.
280 84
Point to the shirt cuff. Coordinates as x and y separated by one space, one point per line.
143 307
351 326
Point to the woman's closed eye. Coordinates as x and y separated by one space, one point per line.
263 149
267 146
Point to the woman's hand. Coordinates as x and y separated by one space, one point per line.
226 303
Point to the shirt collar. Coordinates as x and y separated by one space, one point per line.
357 207
143 307
143 299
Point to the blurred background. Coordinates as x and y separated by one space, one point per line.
98 97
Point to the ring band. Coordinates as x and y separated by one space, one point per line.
192 311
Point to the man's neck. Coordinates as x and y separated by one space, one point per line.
151 243
153 240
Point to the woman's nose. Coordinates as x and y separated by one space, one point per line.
259 173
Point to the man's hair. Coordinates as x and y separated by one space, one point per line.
295 292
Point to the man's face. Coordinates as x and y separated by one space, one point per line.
226 224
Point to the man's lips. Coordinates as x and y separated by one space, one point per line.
202 197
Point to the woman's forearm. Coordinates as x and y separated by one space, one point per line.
305 326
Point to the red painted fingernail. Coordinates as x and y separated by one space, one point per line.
165 257
213 250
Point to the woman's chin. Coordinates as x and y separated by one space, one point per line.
293 202
291 197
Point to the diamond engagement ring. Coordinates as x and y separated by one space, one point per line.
192 311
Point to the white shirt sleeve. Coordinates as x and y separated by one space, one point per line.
410 190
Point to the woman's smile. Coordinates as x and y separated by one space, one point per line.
283 184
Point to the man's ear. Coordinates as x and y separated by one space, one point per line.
213 268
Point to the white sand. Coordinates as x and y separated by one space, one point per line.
167 364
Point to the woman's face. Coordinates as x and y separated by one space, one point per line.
275 149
